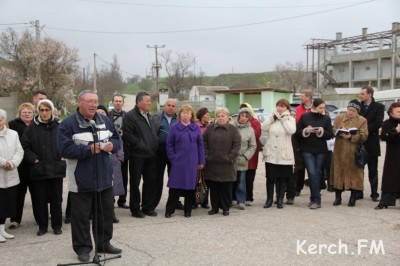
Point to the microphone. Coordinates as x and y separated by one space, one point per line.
93 124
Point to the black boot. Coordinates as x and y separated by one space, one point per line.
281 188
338 197
353 198
270 194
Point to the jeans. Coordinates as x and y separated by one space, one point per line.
241 187
313 163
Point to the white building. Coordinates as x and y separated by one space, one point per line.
204 93
352 62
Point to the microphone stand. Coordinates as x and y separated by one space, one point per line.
96 258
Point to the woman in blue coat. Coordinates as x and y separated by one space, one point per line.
185 151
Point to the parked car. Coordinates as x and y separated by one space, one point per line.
335 113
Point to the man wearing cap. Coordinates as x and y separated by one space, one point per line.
374 113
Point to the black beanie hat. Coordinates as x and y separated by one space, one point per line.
102 108
355 104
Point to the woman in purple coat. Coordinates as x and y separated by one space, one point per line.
185 151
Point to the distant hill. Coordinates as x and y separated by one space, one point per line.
236 80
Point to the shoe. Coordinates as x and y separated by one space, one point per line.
353 198
149 213
57 232
67 220
41 232
307 182
330 188
205 206
315 206
241 206
212 212
115 220
188 214
109 249
310 203
290 202
375 199
13 225
225 213
248 203
323 185
179 206
84 257
380 207
138 214
123 206
195 206
360 195
279 203
4 234
268 203
167 215
338 197
297 193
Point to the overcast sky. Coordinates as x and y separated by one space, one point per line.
225 36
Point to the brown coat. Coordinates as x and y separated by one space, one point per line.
221 144
345 174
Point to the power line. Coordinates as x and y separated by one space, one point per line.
213 28
112 65
11 24
212 7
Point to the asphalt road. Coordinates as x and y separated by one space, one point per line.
294 235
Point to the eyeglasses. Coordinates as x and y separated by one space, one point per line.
91 101
44 110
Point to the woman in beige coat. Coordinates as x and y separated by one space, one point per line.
346 175
278 151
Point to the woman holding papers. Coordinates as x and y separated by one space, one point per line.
313 130
345 174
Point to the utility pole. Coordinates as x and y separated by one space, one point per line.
38 74
156 66
94 74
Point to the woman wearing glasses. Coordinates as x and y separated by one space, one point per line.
19 124
46 167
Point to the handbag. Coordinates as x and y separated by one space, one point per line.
201 187
361 155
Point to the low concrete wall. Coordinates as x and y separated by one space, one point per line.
10 104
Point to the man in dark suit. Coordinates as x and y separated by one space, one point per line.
374 113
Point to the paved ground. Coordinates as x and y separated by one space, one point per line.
255 236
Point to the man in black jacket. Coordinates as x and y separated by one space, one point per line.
374 113
116 116
140 144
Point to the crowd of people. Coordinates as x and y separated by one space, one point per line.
96 149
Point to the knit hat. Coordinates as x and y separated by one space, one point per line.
355 104
102 108
201 112
46 102
247 105
244 110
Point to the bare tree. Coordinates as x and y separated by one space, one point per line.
22 55
178 67
109 81
291 77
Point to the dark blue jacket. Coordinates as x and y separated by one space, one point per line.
75 135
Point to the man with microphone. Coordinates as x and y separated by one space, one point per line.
85 140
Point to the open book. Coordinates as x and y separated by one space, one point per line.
350 131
